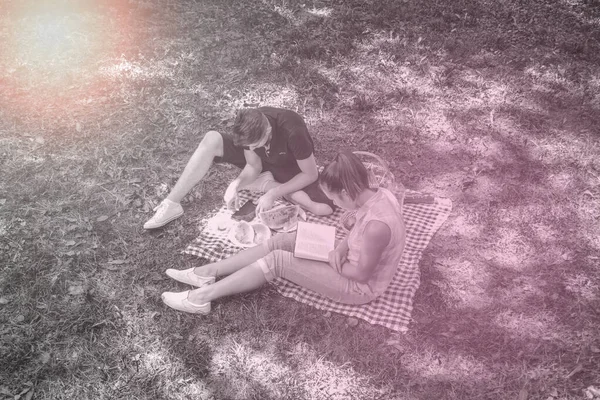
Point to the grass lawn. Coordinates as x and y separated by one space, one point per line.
494 104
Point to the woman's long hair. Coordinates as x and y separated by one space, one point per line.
345 172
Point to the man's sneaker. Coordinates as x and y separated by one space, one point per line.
261 182
188 276
166 212
179 301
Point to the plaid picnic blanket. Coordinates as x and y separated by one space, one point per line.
393 309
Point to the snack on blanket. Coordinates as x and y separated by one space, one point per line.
244 233
246 212
262 233
280 217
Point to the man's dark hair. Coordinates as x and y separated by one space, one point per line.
249 126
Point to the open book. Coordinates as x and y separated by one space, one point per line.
314 241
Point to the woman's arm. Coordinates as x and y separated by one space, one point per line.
337 257
377 236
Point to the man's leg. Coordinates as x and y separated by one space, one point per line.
214 147
310 198
210 147
303 200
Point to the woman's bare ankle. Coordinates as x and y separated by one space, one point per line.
205 271
198 296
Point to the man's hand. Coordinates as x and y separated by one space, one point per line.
265 202
231 197
337 258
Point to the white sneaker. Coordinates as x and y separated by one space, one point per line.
180 302
261 182
166 212
188 276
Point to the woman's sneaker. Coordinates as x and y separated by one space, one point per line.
179 301
188 276
166 212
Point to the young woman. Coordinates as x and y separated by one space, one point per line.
359 269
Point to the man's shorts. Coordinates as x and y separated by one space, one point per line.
233 154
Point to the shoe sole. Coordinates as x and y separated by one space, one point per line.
182 308
164 223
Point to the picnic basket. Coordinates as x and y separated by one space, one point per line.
378 169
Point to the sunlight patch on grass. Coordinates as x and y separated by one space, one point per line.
320 12
465 283
512 249
55 48
327 380
461 226
521 289
264 94
582 286
437 125
447 367
241 371
594 88
134 70
540 326
561 181
545 232
548 76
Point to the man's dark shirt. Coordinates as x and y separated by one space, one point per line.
290 141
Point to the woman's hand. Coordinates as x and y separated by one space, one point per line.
265 202
231 197
337 258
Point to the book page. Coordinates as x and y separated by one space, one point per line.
314 241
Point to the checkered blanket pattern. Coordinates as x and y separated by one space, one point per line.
393 309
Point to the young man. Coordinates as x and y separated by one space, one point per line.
274 150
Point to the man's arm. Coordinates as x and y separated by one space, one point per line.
376 238
251 171
307 175
249 174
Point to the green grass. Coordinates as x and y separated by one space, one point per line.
493 104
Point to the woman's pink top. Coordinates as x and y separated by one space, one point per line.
384 207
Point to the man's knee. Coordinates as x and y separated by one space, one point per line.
212 141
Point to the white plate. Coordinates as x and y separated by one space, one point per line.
220 223
232 239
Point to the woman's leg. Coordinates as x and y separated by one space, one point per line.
284 241
234 263
314 275
243 280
